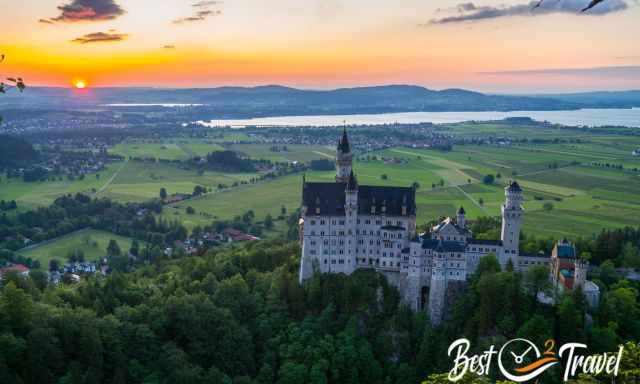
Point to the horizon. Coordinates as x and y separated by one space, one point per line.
482 45
329 89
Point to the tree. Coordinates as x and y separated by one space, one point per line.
163 193
488 264
13 82
113 249
76 256
283 210
537 280
548 206
17 306
629 256
135 248
384 176
199 190
54 265
481 201
268 221
488 179
190 210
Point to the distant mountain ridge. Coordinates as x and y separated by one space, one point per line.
273 100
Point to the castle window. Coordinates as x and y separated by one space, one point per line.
313 222
326 242
378 222
341 222
368 222
313 233
321 233
322 222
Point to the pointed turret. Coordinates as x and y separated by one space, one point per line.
343 159
460 218
343 143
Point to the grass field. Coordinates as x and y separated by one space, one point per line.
585 199
92 242
29 195
139 181
178 149
294 152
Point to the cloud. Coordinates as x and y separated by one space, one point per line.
204 12
469 12
201 4
86 10
169 46
100 37
612 71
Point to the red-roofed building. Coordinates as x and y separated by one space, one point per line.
18 268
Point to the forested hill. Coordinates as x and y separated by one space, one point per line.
237 315
16 152
278 100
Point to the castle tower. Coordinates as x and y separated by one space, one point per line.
351 196
511 220
460 218
351 218
343 159
580 273
438 286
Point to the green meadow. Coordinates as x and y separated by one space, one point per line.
567 192
293 152
92 243
565 195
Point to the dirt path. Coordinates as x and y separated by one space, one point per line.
113 177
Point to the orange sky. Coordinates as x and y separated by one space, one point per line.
319 44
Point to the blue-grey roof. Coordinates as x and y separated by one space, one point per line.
443 246
486 242
566 251
514 187
330 198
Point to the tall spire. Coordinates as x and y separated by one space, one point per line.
343 143
343 159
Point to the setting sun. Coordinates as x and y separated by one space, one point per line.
79 84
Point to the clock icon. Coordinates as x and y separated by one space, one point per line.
520 360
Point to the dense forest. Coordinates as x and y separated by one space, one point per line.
238 315
16 152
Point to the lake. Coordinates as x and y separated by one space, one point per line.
580 117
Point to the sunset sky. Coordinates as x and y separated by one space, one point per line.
487 45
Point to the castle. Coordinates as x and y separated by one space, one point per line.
345 226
